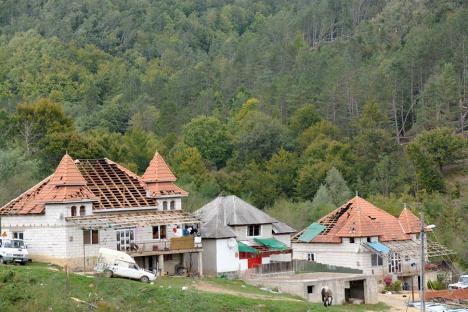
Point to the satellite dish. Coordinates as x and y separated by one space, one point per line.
232 243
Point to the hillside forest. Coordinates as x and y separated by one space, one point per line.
295 105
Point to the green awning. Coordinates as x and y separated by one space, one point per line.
271 243
245 248
311 232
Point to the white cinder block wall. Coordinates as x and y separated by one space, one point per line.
227 258
346 254
242 234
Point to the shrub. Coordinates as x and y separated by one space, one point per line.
387 280
436 285
395 286
7 276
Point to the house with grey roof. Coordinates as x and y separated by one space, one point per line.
237 236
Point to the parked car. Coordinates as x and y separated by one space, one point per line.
118 263
461 284
13 250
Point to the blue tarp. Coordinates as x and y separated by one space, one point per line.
379 247
311 231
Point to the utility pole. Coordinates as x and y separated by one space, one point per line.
423 262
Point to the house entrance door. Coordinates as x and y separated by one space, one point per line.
125 239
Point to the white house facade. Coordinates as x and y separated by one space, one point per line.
91 203
361 236
237 236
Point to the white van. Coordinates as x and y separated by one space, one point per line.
118 263
13 250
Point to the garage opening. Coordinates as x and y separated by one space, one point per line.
355 292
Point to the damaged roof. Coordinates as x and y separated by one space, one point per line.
225 211
360 218
65 185
107 184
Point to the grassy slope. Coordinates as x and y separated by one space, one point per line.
37 288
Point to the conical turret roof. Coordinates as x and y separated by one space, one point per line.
158 171
409 222
67 174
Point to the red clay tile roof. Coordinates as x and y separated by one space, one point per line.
159 178
411 223
359 218
165 189
158 171
67 173
65 185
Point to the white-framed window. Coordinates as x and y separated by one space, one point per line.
253 230
125 239
82 211
394 263
310 289
159 232
164 205
90 237
376 260
172 205
310 256
73 211
351 240
18 235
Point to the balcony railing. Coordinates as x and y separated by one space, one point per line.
174 243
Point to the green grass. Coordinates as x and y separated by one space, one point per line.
37 288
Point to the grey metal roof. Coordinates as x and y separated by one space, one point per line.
224 211
282 228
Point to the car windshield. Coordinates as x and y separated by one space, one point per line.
463 279
14 243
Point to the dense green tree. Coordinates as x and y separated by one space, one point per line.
439 100
304 118
428 176
188 163
257 186
139 147
35 123
210 137
283 168
259 136
441 145
322 203
322 129
17 172
337 188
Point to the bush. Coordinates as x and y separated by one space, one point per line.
437 284
7 276
387 280
395 286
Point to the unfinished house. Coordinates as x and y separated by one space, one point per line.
237 236
359 235
91 203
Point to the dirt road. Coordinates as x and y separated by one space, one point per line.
397 302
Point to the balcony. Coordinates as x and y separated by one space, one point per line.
164 246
